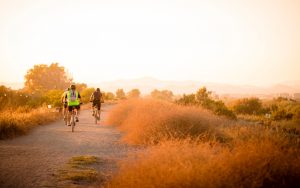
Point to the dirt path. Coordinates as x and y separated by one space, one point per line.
32 160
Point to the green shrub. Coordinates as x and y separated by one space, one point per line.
252 106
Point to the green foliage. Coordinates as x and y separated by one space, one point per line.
86 94
284 109
162 95
81 87
109 96
187 99
120 94
134 93
203 98
251 106
42 78
53 97
14 98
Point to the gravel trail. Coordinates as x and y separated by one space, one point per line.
34 159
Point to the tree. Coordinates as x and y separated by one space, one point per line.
80 86
134 93
189 99
120 94
203 98
43 78
162 95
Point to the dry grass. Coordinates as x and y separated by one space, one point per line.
251 156
79 170
267 159
21 120
148 122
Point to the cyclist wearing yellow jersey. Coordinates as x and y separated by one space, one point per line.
73 98
65 102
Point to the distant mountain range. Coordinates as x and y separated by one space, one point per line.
148 84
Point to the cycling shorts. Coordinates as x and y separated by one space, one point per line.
71 107
97 103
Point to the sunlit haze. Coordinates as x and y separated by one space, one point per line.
229 41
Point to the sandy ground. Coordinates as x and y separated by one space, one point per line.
34 159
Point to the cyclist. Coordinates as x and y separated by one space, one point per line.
96 99
73 98
65 102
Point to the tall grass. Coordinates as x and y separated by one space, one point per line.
148 122
268 161
251 155
21 120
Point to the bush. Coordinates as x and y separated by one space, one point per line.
53 97
254 158
283 109
202 98
251 106
162 95
149 122
109 96
19 121
86 94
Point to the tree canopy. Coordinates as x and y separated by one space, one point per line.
42 78
134 93
120 94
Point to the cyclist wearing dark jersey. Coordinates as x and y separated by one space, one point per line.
96 98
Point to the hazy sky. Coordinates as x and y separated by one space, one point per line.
228 41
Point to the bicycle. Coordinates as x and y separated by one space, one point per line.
96 114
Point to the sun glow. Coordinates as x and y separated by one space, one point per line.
220 41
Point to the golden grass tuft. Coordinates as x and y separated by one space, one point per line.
267 159
20 121
194 148
148 122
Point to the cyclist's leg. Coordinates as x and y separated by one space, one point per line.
65 110
99 109
77 110
69 114
93 107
